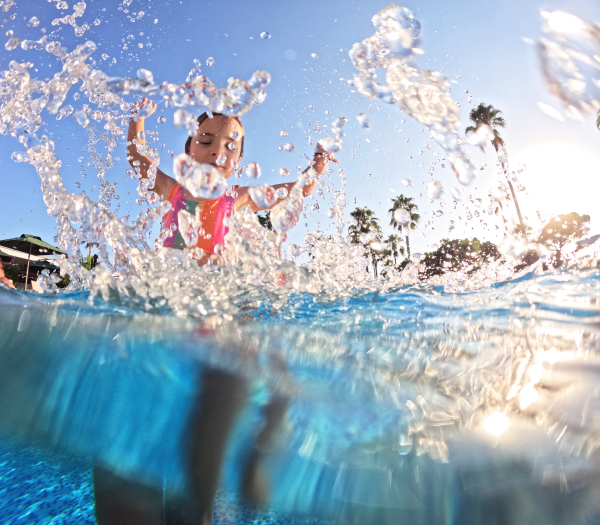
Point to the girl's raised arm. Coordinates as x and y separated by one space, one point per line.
320 162
135 137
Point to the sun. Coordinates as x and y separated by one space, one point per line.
559 178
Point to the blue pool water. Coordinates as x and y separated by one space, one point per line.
413 405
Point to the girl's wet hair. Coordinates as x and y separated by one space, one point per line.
202 118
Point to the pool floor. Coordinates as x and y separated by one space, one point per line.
37 487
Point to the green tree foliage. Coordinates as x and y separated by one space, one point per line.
265 220
12 272
64 281
458 254
488 116
365 230
561 230
405 203
89 262
393 248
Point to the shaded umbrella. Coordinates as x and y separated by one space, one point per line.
33 246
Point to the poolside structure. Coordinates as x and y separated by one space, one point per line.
31 252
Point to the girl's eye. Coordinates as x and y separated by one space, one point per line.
205 143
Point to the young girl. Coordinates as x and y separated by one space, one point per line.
218 141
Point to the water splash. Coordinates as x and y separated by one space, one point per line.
569 51
422 94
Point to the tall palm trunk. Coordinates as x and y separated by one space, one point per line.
407 247
503 158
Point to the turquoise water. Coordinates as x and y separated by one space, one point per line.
413 405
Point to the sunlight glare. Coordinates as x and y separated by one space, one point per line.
496 424
563 22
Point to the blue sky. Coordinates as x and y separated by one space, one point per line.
480 42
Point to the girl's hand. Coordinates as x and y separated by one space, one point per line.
143 109
319 150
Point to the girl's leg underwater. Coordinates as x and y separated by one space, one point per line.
220 400
222 397
123 502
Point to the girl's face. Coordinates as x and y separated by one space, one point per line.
217 142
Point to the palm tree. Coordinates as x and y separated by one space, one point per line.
365 223
394 248
405 203
489 116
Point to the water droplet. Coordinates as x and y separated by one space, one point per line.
33 22
283 133
221 159
456 193
435 189
210 61
253 170
290 54
363 120
288 146
162 119
331 144
145 75
259 98
9 33
81 118
314 55
282 193
401 217
477 202
407 183
265 36
12 43
264 196
201 180
284 172
235 135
